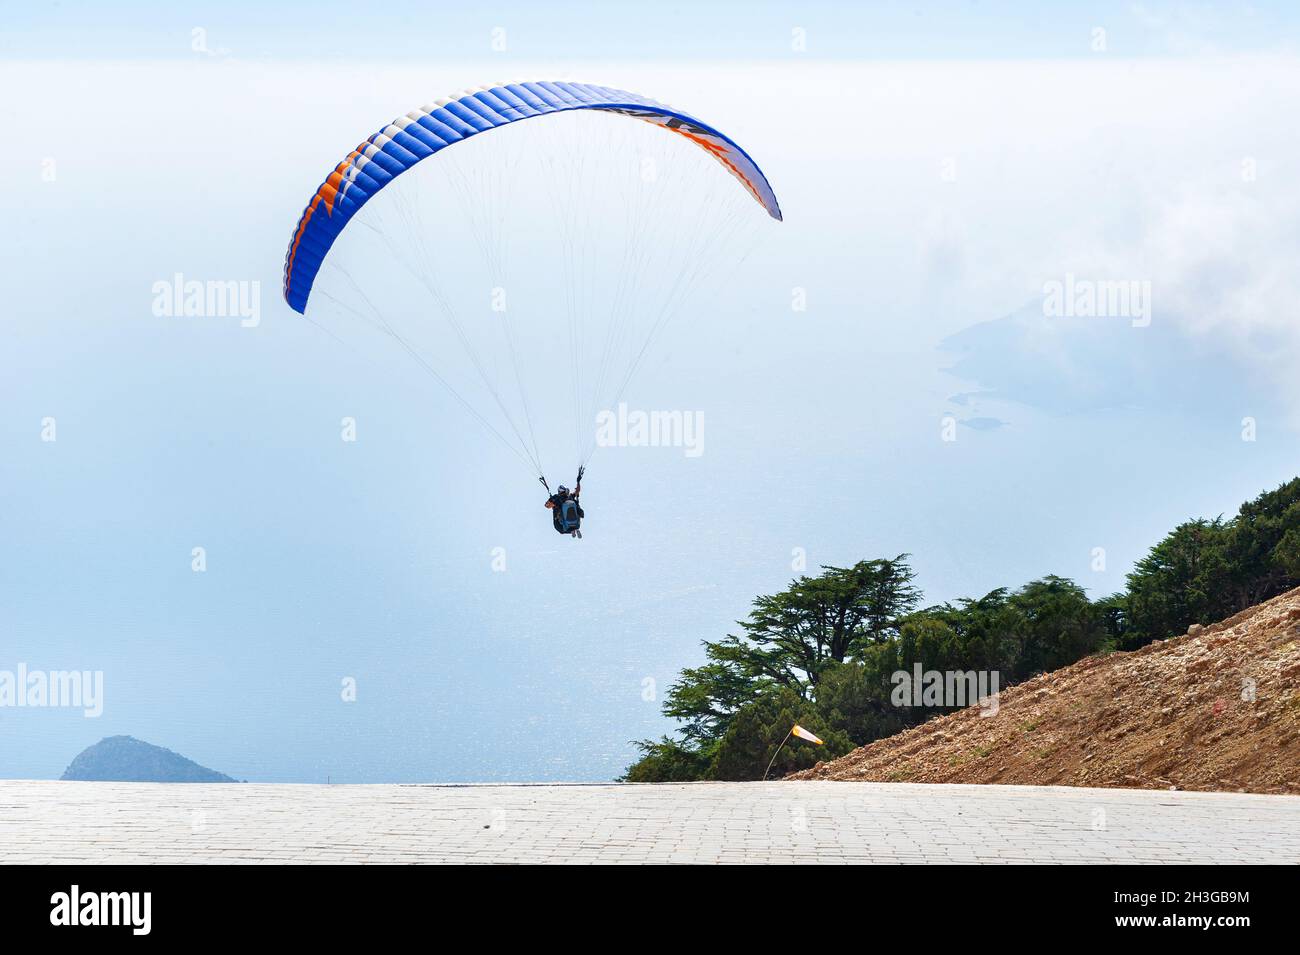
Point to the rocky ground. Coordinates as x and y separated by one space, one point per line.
1216 709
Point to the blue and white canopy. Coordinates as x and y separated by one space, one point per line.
422 132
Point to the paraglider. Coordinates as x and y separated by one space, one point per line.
635 222
566 512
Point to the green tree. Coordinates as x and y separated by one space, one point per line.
1057 625
791 637
787 643
977 634
756 731
1204 571
667 761
1115 619
1263 546
704 698
1184 579
823 651
853 697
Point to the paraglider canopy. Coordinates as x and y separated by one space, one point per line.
425 131
608 270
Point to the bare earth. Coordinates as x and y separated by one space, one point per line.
1175 714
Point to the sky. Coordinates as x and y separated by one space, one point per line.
731 29
941 168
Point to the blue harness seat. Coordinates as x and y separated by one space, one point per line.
568 517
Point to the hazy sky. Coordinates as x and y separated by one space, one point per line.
938 166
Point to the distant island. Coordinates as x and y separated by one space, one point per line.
129 760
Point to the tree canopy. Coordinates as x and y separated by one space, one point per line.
825 651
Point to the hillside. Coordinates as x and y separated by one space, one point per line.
127 759
1174 714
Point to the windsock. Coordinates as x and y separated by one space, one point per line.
804 734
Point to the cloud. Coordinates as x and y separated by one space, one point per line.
1197 203
984 424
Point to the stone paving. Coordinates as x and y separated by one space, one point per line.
783 822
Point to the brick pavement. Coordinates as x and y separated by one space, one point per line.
826 822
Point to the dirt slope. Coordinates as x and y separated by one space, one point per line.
1169 715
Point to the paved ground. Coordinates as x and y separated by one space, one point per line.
699 822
